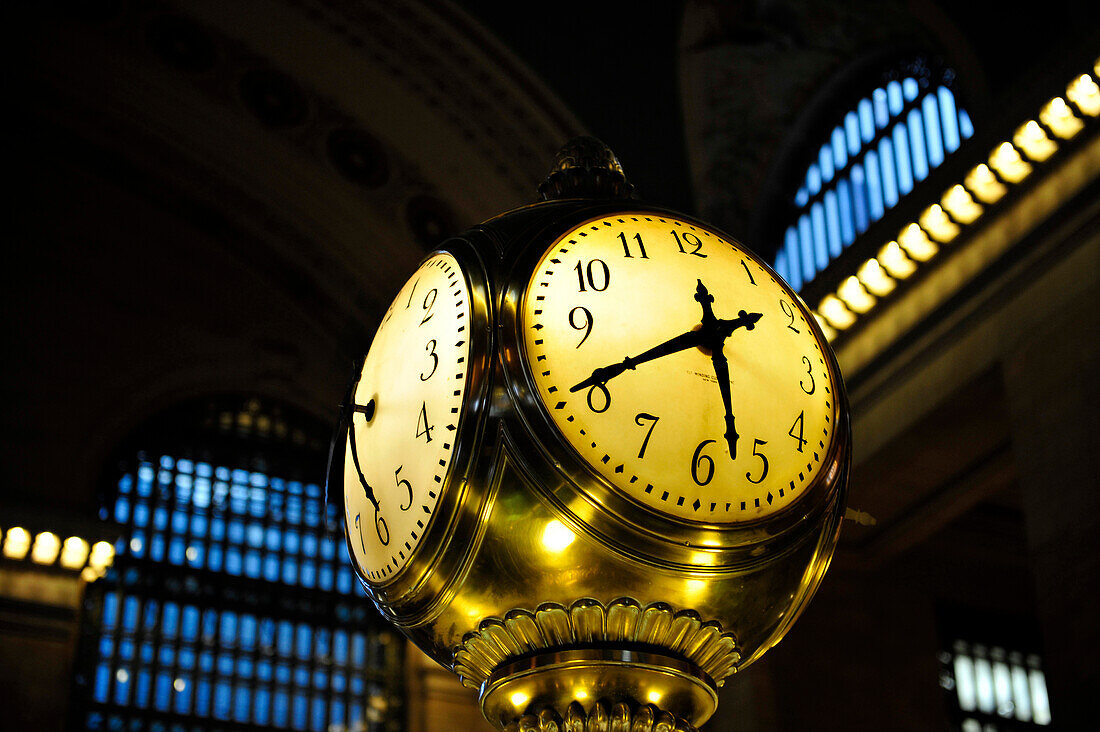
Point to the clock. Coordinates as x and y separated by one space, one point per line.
403 416
680 369
596 457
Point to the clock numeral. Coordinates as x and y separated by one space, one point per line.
789 312
691 240
626 245
430 348
763 460
423 428
799 423
408 487
586 326
697 460
598 279
748 272
381 528
413 290
809 372
429 301
606 398
643 417
359 530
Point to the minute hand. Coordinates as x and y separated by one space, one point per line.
682 342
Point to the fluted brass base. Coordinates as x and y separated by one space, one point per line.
597 689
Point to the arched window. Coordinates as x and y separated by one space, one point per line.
232 602
873 156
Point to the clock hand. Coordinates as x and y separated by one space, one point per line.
718 331
355 457
743 320
722 373
682 342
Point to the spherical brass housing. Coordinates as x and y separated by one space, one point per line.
532 557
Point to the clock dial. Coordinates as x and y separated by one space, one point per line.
679 368
405 414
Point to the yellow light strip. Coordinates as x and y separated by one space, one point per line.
984 185
74 552
916 243
46 549
854 296
17 543
874 278
835 312
1083 92
938 225
1034 142
896 262
1006 160
960 205
1060 118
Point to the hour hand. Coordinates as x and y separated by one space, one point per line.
367 489
604 374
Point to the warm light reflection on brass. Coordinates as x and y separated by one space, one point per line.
1084 92
556 536
1031 138
984 185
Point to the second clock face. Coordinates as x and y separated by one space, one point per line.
679 368
405 416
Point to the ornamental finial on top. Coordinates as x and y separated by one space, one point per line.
586 168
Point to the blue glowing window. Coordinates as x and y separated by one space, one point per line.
875 154
231 598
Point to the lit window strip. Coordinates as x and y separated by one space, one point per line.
45 548
870 161
961 205
996 682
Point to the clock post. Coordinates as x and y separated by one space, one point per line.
595 459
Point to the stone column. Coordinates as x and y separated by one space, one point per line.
1052 378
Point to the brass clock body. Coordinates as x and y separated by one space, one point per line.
548 577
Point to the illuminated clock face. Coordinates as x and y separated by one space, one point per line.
679 368
405 415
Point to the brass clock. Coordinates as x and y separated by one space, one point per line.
595 459
710 403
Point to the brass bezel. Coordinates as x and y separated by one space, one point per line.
419 586
588 499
